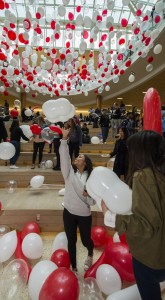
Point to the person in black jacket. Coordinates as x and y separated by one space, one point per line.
3 131
104 123
120 152
16 134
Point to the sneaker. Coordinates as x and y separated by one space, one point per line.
57 169
88 262
13 167
33 167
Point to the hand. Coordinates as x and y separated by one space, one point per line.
104 207
85 193
65 133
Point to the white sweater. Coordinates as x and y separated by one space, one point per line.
74 201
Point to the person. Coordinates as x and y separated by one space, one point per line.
116 115
38 144
16 134
3 131
85 134
120 152
6 107
75 138
77 213
104 123
145 227
163 125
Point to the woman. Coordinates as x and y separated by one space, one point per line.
145 228
75 138
38 144
77 202
120 166
16 134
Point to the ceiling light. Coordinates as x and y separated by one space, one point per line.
119 98
144 92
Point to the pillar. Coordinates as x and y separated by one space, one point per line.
23 100
99 101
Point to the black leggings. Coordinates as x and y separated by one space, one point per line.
71 223
36 147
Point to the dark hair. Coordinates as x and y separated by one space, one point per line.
88 167
125 131
14 124
146 149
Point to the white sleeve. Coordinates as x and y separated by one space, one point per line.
110 219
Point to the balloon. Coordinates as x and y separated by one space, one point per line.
48 164
26 131
129 293
61 258
131 78
61 192
7 150
118 256
105 184
99 236
14 113
108 279
55 129
56 108
157 49
35 129
11 186
91 287
91 272
31 227
14 279
8 244
17 103
95 140
28 112
47 135
19 254
61 284
32 246
37 181
116 238
60 242
152 111
4 229
38 276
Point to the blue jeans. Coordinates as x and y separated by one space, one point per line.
148 280
17 152
105 131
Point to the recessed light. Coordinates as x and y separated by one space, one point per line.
128 105
144 92
119 98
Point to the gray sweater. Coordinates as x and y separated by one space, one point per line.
74 201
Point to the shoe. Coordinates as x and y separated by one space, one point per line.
33 166
57 169
88 262
13 167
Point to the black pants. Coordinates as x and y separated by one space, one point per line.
147 280
71 223
74 148
38 147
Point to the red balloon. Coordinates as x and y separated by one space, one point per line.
122 238
61 258
91 272
14 113
124 22
118 256
152 111
35 129
55 129
99 236
30 227
19 254
61 284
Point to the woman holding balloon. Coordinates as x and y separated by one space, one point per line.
145 227
77 213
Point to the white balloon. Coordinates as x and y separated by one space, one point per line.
159 7
7 150
107 88
116 79
116 238
61 10
38 276
60 242
157 49
27 132
129 293
131 78
49 164
8 244
108 279
28 112
61 192
95 140
149 67
17 103
107 185
37 181
32 246
97 198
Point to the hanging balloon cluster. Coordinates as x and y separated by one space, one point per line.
67 71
